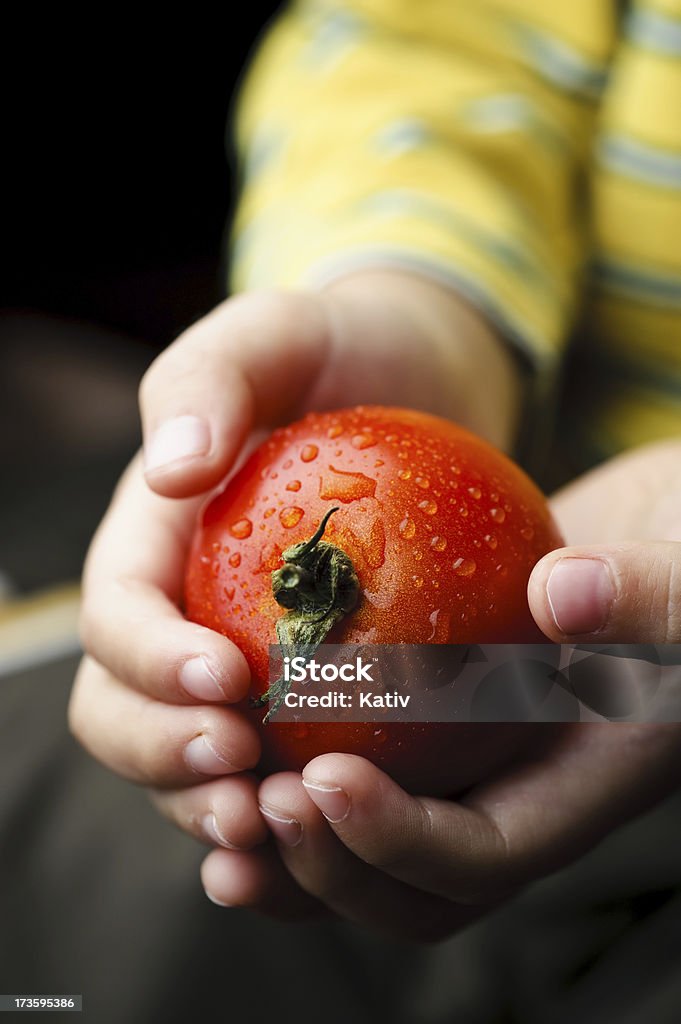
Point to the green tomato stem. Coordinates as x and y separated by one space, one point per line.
318 586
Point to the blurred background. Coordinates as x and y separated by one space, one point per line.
118 189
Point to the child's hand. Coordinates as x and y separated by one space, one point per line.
152 696
423 868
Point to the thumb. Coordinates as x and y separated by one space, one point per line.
246 365
628 593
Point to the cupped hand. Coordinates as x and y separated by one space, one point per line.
421 868
152 698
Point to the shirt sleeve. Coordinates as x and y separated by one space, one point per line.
445 137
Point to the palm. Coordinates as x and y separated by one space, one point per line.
636 496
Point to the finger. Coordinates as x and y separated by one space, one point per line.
223 812
257 880
129 620
152 743
246 364
326 869
587 779
629 592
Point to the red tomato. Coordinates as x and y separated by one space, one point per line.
442 531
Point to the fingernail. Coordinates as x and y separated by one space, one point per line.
198 679
215 900
200 756
183 437
332 801
580 593
209 823
288 830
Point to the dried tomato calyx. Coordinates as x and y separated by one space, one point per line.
318 586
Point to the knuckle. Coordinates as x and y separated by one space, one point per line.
283 309
274 313
179 362
146 767
156 757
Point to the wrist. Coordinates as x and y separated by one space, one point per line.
400 338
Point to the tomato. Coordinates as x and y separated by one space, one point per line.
441 532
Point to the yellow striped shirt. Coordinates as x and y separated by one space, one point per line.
525 152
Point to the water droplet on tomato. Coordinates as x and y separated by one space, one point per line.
418 555
287 464
290 516
268 512
215 568
391 438
497 514
235 559
293 485
432 619
361 441
369 536
378 462
404 474
490 540
270 558
334 431
527 532
464 567
380 736
475 492
438 543
309 453
407 528
423 482
205 560
336 485
241 529
418 581
429 507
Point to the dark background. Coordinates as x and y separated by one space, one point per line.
118 188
